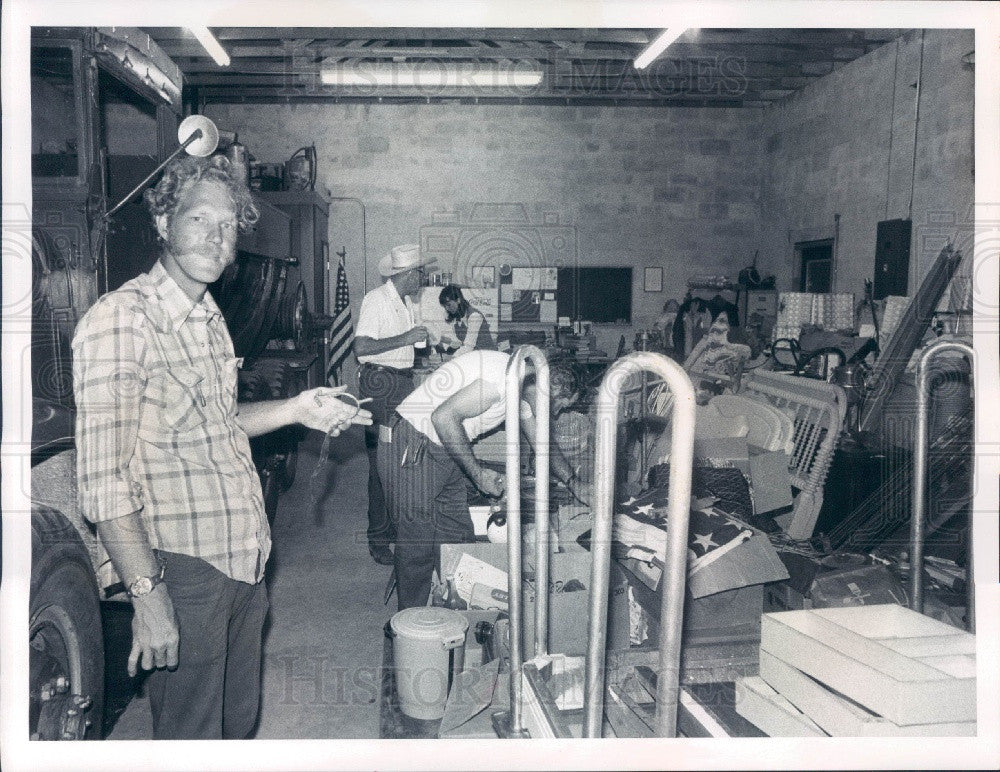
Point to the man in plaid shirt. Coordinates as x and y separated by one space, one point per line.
164 465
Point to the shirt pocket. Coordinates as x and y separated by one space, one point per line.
229 383
178 391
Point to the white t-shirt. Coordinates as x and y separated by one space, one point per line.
385 315
486 369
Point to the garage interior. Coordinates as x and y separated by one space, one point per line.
816 186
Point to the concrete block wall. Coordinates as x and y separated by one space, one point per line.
845 145
695 191
677 188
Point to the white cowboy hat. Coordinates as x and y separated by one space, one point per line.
403 258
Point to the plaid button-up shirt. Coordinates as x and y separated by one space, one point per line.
154 377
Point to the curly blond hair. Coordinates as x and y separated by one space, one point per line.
186 170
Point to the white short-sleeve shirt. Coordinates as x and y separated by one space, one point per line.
385 315
486 369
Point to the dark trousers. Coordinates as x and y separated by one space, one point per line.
387 387
428 498
215 691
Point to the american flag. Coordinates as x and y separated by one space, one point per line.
342 331
711 534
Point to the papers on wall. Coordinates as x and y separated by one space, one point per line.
534 278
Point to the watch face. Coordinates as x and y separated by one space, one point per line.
141 586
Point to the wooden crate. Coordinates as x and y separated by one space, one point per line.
839 716
905 667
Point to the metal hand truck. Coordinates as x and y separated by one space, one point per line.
918 518
524 685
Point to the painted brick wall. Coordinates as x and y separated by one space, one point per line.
677 188
845 145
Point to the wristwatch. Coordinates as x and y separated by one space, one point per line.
144 585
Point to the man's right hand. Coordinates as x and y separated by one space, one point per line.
155 635
416 334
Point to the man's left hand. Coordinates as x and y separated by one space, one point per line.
323 410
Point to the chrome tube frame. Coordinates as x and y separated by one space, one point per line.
919 502
516 368
675 559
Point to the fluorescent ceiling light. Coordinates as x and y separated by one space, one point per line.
658 46
211 45
429 74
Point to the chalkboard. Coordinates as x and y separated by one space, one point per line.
595 294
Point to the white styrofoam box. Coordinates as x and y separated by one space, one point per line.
834 311
901 665
767 710
839 716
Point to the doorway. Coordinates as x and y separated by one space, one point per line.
815 260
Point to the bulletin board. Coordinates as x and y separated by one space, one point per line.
529 295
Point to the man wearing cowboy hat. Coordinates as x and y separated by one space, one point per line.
383 342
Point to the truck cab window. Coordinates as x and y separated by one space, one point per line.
54 138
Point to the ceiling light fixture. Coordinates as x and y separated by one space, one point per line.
658 46
429 74
211 45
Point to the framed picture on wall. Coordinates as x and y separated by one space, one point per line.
652 279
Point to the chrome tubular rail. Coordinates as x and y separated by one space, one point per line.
675 560
512 389
919 503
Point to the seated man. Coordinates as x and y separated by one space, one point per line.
425 462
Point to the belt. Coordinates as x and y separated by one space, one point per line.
384 368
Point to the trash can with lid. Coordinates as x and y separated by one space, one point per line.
429 649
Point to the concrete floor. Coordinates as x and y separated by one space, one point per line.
323 645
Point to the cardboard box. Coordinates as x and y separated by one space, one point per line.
723 451
568 611
811 584
767 471
731 612
770 481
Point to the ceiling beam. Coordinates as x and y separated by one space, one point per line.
317 49
638 37
354 50
279 95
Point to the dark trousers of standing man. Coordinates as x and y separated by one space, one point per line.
428 497
215 691
387 387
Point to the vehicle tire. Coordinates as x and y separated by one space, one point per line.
66 657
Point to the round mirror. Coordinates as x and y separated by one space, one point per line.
206 143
